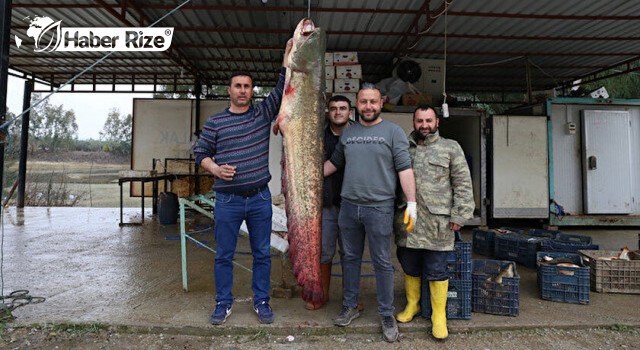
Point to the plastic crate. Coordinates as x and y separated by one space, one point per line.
506 229
491 297
459 262
562 283
519 247
613 276
568 244
483 241
542 233
458 300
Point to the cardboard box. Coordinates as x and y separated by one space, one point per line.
346 85
328 58
328 85
352 97
329 72
353 71
415 99
345 58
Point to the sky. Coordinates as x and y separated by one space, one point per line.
91 109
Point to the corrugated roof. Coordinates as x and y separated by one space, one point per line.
489 43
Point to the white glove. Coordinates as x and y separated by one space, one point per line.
410 215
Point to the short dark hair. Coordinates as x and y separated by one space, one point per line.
339 98
425 107
368 86
240 73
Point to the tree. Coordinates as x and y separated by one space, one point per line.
12 143
116 131
183 91
622 86
186 91
52 127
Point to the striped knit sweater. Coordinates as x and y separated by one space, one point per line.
241 140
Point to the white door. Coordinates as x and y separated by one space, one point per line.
606 162
520 167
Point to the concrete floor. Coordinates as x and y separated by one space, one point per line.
92 271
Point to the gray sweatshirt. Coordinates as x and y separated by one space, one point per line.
371 156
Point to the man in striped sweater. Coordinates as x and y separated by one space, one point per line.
234 146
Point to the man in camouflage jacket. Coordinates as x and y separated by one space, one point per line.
445 201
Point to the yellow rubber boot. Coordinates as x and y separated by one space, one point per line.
439 291
412 288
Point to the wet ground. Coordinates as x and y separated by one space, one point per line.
91 271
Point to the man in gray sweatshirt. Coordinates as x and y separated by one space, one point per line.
374 154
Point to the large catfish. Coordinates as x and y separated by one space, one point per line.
300 121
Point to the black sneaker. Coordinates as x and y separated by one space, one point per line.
220 314
265 314
346 316
389 328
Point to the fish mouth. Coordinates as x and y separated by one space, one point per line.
307 28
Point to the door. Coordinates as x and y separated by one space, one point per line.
606 162
520 167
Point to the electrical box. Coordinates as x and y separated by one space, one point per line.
431 79
571 128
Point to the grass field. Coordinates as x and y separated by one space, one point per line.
89 184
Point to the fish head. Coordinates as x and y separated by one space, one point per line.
309 43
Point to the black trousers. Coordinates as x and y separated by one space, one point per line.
429 264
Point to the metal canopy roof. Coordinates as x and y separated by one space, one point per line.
491 44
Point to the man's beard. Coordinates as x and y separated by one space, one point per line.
372 119
422 136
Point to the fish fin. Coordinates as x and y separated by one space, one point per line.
277 127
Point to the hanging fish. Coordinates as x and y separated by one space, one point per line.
300 121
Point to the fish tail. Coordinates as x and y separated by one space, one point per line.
305 259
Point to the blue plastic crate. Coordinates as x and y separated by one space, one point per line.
489 296
483 241
505 229
459 261
519 247
458 300
565 243
542 233
562 283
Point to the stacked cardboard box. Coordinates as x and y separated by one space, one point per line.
343 74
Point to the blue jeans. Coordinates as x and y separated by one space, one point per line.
229 212
330 234
377 224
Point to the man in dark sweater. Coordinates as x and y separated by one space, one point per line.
234 146
337 120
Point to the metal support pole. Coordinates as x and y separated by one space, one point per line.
529 82
5 39
197 91
24 143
